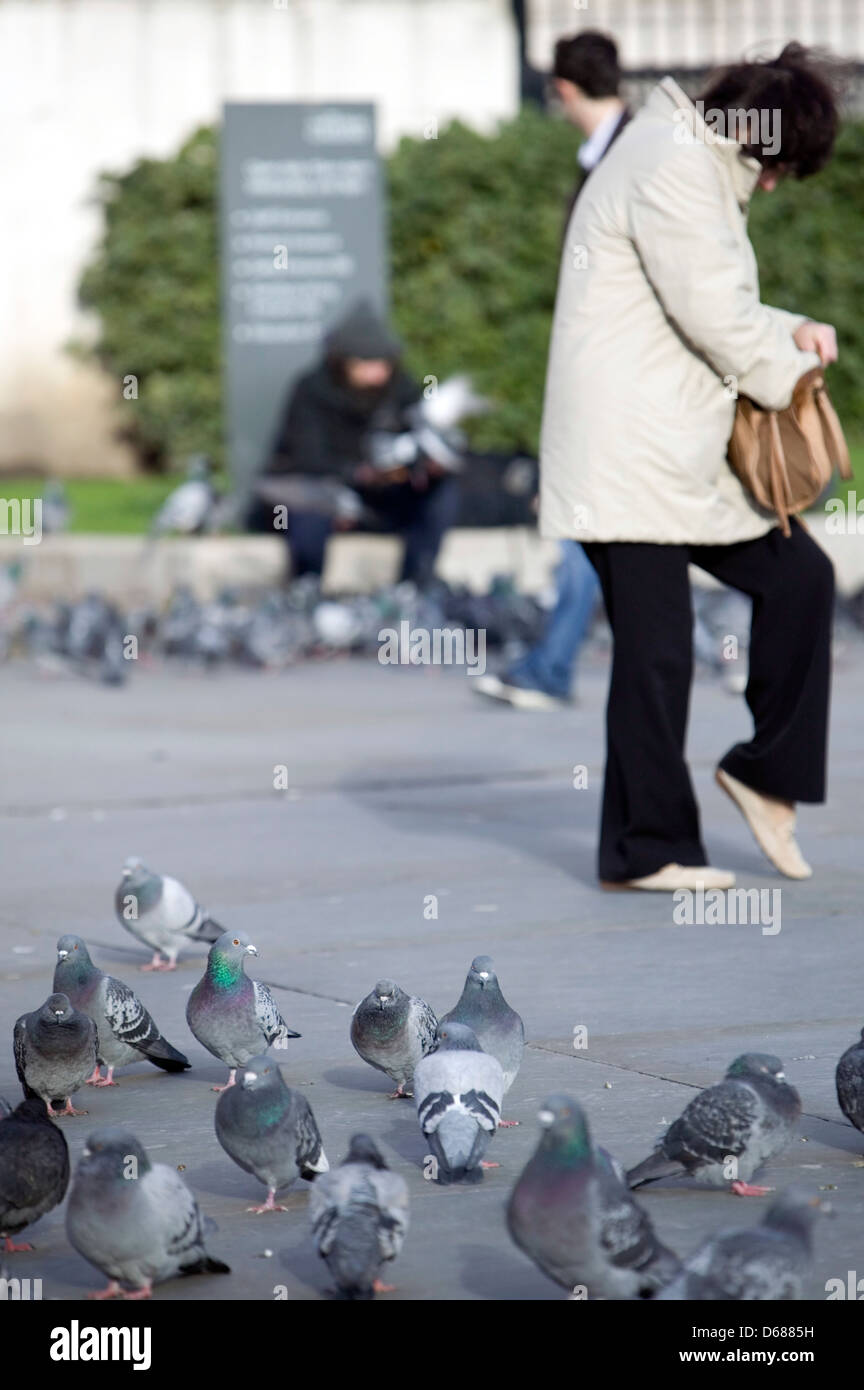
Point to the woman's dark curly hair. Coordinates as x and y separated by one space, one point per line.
801 90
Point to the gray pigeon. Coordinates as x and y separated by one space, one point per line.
269 1130
764 1263
161 913
55 1052
729 1130
459 1090
392 1030
136 1221
359 1217
499 1028
571 1213
34 1168
849 1079
234 1017
126 1032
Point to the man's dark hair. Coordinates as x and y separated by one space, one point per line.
590 61
802 87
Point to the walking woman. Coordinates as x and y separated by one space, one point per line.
658 325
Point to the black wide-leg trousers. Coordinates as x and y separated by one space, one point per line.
650 816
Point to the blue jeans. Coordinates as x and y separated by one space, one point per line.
550 666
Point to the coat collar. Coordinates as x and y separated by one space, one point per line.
668 100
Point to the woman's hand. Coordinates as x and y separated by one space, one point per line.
820 338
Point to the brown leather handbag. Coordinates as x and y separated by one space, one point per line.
786 458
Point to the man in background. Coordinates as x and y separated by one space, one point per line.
586 83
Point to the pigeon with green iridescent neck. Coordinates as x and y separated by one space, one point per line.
136 1221
392 1030
234 1017
126 1032
160 912
359 1215
728 1130
768 1263
572 1214
269 1130
34 1168
483 1008
55 1052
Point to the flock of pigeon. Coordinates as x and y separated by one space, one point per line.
571 1210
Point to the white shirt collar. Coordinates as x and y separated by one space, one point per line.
592 150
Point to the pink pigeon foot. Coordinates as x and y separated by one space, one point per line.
507 1124
383 1288
97 1080
12 1249
745 1189
400 1093
113 1291
157 963
269 1205
484 1163
136 1295
69 1110
229 1083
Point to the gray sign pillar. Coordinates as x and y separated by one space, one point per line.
302 239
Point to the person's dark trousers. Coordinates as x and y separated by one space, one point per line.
421 516
650 817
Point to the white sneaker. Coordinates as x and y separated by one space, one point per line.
772 823
674 876
519 696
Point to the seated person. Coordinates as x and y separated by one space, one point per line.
325 443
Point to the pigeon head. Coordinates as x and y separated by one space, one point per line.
225 961
364 1150
457 1037
565 1127
259 1074
482 973
56 1009
796 1209
112 1153
757 1066
73 958
386 993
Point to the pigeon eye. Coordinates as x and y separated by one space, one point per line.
236 942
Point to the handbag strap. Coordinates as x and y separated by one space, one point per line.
777 474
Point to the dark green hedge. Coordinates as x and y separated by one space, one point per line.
475 229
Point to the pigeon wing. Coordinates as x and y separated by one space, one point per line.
177 1216
715 1125
268 1015
19 1042
392 1193
126 1016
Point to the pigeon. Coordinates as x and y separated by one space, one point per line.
729 1130
500 1030
392 1030
187 509
359 1217
161 912
269 1130
55 1051
571 1213
850 1083
34 1168
126 1031
764 1263
234 1017
459 1089
136 1221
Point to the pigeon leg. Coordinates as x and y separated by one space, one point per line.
13 1249
107 1080
93 1077
484 1163
69 1110
378 1287
507 1124
157 963
745 1189
269 1205
400 1093
112 1291
229 1083
137 1294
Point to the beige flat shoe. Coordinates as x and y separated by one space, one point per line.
674 876
772 824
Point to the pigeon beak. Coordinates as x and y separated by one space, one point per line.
251 950
58 1013
61 955
781 1075
248 1078
545 1118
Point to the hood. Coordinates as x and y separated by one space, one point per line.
362 333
